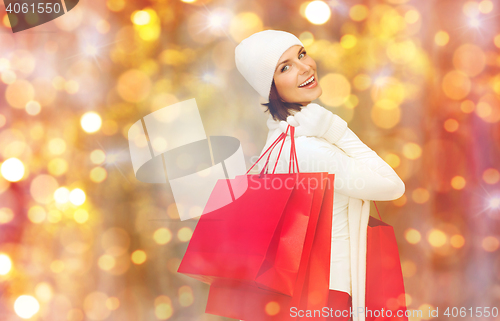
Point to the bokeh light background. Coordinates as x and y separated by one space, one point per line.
82 239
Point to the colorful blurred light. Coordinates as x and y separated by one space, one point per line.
317 12
5 264
77 196
91 122
12 169
26 306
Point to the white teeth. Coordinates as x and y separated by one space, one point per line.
307 82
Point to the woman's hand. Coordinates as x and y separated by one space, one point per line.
315 120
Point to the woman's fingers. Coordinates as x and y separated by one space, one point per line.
283 126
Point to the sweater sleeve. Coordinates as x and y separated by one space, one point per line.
359 171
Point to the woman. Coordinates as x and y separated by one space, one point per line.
277 66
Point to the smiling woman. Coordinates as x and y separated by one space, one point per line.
276 65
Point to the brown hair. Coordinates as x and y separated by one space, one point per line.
279 109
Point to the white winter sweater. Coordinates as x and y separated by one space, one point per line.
360 176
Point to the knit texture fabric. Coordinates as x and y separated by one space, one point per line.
256 57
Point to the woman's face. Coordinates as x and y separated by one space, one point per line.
296 68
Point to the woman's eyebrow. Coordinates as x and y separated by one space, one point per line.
298 53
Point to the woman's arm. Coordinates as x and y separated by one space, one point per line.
361 173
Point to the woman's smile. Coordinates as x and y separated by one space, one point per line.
309 83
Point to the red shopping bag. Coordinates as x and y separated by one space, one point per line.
261 236
243 300
384 278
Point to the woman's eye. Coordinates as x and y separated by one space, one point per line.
302 54
283 69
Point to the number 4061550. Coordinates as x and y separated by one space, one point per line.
479 312
47 7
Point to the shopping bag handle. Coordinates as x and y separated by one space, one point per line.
293 154
377 210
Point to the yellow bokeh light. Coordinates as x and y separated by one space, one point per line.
467 106
98 174
491 176
37 214
6 215
57 146
26 306
186 297
393 160
358 12
81 216
57 266
317 12
61 195
184 234
112 303
451 125
72 86
19 93
362 82
348 41
106 262
412 150
471 8
12 169
272 308
412 16
420 195
401 52
436 238
496 40
77 196
388 88
385 114
245 24
162 235
490 243
97 156
412 236
91 122
441 38
115 5
485 6
57 166
457 241
5 264
163 310
458 182
456 85
138 257
141 17
33 108
341 93
44 292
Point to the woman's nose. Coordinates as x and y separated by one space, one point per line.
304 68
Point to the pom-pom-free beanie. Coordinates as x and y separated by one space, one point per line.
256 57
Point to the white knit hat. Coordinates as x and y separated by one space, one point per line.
256 57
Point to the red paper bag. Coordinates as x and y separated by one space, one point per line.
243 301
259 237
384 278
